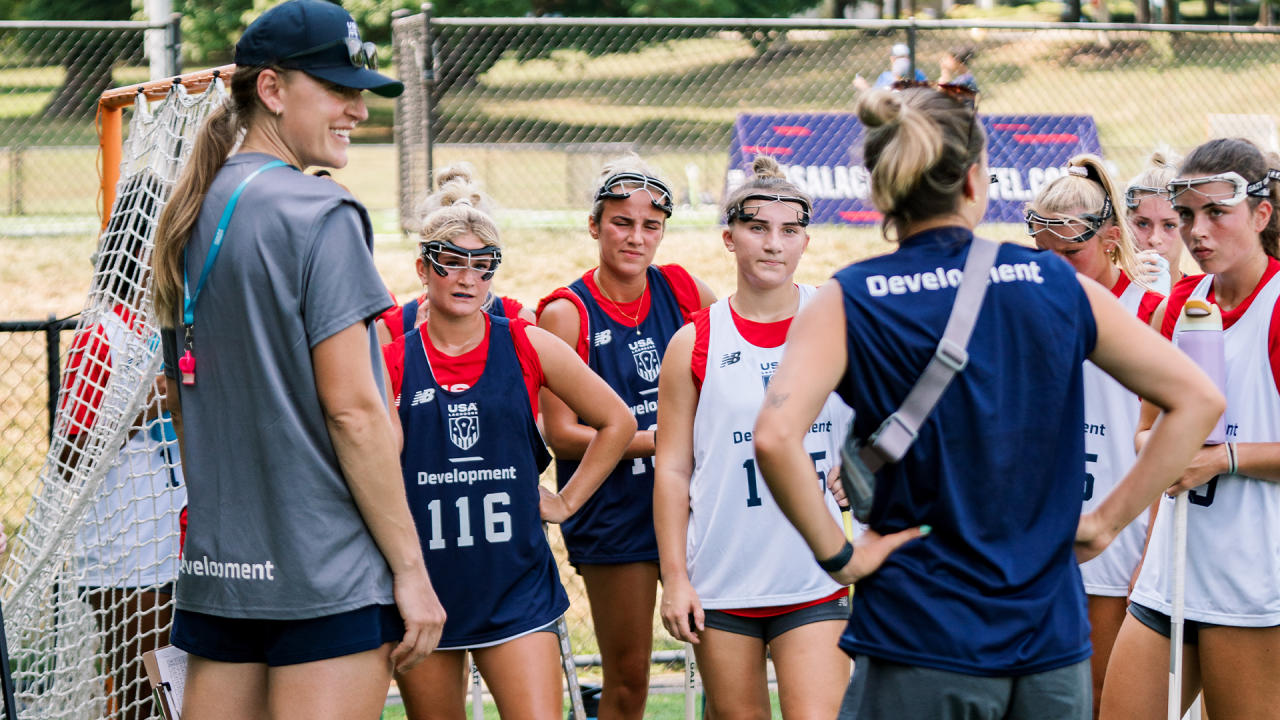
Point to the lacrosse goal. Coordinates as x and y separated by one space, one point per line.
88 584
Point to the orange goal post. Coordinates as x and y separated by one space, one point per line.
111 121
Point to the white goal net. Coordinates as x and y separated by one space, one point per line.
88 585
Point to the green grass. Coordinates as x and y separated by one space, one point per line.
659 707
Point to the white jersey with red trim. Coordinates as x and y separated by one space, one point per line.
1110 422
742 551
1233 522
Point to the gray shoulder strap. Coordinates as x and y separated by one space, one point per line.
891 442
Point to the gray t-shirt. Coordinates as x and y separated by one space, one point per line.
273 532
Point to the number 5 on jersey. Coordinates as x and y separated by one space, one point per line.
497 525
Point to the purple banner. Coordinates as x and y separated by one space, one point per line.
822 153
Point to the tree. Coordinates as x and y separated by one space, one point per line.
87 56
210 28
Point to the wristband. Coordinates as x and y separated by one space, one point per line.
836 562
1233 459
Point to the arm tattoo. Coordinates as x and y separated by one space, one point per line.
777 401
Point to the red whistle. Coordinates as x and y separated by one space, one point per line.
187 366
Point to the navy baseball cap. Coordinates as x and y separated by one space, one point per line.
319 38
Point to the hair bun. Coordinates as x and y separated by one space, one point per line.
879 107
764 166
461 172
462 201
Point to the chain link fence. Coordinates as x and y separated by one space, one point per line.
31 360
539 104
552 98
51 75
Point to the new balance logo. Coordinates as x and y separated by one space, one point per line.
730 359
604 337
423 396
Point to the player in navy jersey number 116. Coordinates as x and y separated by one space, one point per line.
737 579
465 383
1226 194
1066 218
620 316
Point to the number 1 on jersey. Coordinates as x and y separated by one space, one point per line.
753 493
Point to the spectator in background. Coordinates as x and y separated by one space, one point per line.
955 67
899 68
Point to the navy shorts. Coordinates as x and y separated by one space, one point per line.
286 642
768 628
1163 624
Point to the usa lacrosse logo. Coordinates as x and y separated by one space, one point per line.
464 425
648 362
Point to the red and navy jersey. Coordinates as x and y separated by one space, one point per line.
471 463
624 344
401 318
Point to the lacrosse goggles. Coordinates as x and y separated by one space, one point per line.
740 212
1077 229
1237 188
1135 194
446 258
621 185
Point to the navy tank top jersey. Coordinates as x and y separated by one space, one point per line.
616 525
410 315
997 468
471 464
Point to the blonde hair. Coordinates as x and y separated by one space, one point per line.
214 140
919 146
1091 191
1161 167
628 163
766 176
457 207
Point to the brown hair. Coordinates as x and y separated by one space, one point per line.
214 141
456 208
766 176
1068 192
1242 156
920 144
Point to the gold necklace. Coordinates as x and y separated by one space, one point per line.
635 320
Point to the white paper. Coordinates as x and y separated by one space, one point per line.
173 673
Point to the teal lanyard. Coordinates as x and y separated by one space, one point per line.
189 300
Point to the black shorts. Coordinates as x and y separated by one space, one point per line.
768 628
1162 624
286 642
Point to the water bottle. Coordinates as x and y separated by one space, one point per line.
1199 335
1164 281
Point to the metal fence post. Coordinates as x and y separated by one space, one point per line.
53 353
175 43
911 48
428 87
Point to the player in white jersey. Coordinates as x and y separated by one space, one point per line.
1226 195
1080 217
737 578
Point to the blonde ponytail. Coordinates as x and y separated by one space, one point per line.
214 142
458 207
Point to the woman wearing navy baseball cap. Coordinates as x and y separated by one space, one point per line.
303 581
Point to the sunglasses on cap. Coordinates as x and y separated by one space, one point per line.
1077 229
622 185
447 259
361 54
1240 188
963 94
1135 194
742 213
